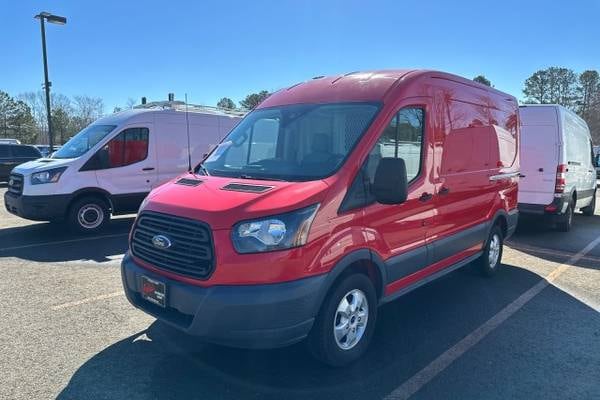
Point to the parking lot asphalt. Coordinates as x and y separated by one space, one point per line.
532 331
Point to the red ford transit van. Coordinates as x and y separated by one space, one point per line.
332 197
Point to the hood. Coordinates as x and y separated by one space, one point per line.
210 202
42 164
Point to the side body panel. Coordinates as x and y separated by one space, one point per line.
580 176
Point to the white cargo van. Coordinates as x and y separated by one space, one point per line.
557 168
110 166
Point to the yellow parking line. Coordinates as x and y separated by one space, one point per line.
424 376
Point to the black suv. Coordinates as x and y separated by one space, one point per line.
12 155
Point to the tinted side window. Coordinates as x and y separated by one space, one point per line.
4 151
25 152
128 147
402 138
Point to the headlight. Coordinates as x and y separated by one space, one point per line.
278 232
49 176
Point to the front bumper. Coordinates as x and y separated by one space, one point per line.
247 316
37 208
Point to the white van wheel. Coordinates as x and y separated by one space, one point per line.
566 220
88 215
591 209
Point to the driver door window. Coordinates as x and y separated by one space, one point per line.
128 147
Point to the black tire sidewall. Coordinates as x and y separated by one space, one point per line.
321 339
74 211
566 221
589 210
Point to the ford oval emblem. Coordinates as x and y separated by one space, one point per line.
161 242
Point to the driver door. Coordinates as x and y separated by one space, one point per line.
127 167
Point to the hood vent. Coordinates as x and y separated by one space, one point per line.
188 182
244 187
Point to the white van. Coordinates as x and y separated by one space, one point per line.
557 169
110 166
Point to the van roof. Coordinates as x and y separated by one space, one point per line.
360 86
139 114
561 110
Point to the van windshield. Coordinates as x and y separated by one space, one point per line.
83 141
297 142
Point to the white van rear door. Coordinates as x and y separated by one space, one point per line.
539 155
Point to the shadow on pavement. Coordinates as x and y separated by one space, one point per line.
537 238
50 242
412 331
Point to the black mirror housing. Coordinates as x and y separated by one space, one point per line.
390 185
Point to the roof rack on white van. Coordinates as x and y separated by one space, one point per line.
195 108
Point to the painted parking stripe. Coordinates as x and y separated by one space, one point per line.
424 376
87 300
26 246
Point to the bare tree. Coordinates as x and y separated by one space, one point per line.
130 103
87 110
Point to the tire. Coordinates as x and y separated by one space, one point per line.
565 221
88 215
353 341
591 209
491 259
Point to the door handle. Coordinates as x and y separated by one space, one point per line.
148 169
444 191
521 176
426 197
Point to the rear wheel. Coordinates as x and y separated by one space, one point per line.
88 215
344 327
566 220
490 260
590 209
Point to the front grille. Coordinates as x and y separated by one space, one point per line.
15 183
190 253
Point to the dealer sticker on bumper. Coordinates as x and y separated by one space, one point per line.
154 291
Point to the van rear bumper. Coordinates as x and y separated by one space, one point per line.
37 208
247 316
557 207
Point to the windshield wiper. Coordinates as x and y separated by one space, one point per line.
203 169
260 178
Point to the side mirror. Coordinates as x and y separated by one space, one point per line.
390 185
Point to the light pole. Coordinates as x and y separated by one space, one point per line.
53 19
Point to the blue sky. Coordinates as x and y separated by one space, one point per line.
121 49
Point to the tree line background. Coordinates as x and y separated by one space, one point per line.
23 116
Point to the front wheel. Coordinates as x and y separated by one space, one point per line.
344 327
490 260
88 215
